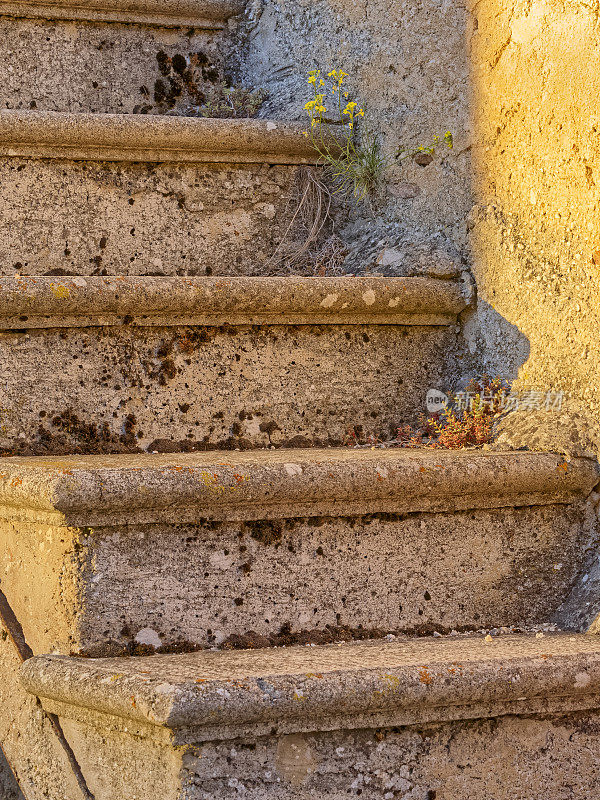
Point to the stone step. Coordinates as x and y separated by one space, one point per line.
64 56
169 364
203 547
139 194
209 14
460 718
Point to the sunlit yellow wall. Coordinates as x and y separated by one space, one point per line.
535 229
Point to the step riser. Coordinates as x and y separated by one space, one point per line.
140 219
103 68
210 388
507 757
201 583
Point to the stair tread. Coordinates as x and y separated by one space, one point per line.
289 482
153 137
76 301
460 677
172 13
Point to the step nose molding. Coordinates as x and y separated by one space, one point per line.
206 14
155 138
77 302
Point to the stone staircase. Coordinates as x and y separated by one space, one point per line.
178 493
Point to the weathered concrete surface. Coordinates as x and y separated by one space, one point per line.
80 302
96 390
350 695
207 696
152 138
100 589
8 784
408 65
89 67
98 549
497 759
535 233
27 740
131 219
501 759
272 484
181 13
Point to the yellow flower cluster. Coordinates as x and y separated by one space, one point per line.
332 84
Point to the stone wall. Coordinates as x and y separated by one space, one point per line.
515 200
535 231
408 66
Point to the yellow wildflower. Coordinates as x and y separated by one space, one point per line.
312 79
321 82
310 105
332 74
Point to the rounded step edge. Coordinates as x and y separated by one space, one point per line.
199 14
59 302
204 696
154 138
277 484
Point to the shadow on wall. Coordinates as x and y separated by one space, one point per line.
494 346
9 790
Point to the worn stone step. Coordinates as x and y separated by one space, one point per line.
162 13
64 56
201 547
167 364
462 718
141 194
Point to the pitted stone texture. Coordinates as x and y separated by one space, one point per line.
501 759
170 389
140 219
79 588
102 68
412 87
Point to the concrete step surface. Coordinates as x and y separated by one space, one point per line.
112 56
170 364
163 13
137 194
103 552
425 716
